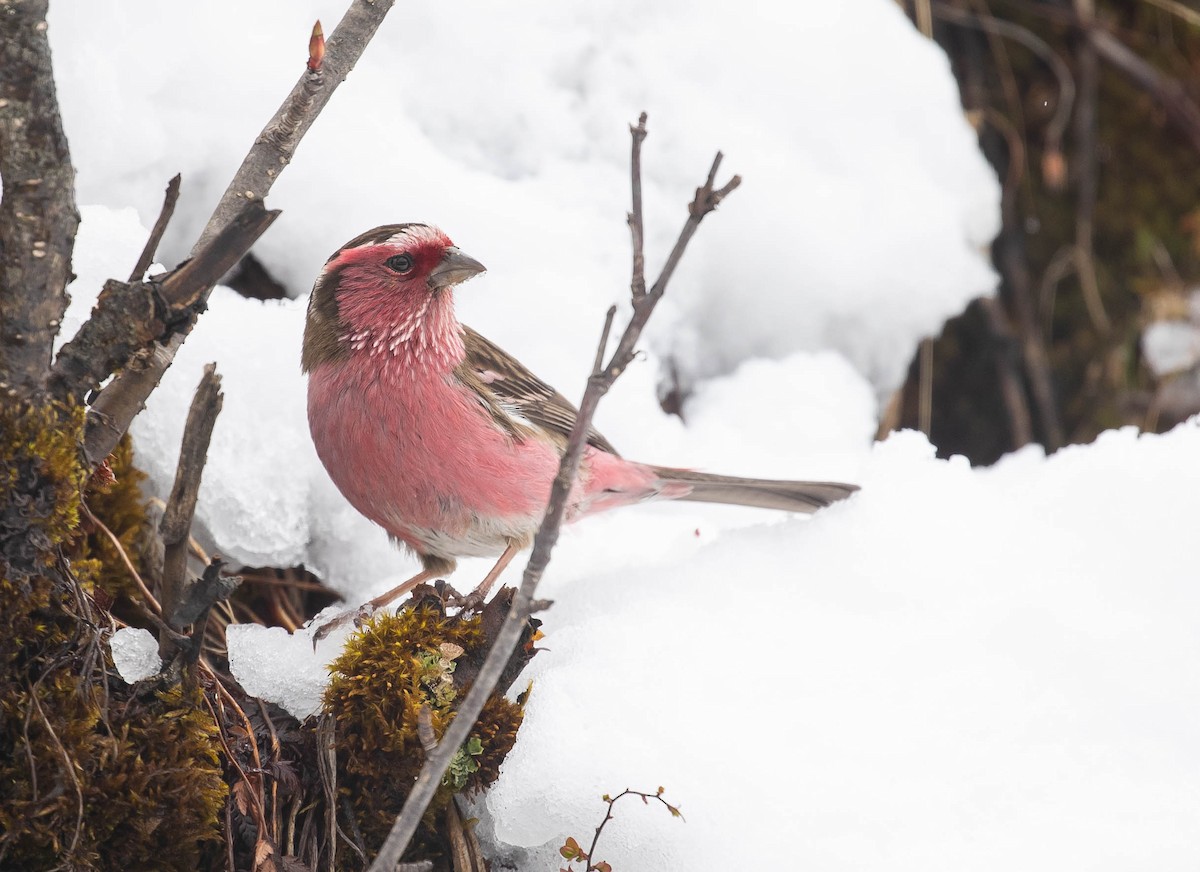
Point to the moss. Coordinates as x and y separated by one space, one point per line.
117 500
90 779
41 478
395 666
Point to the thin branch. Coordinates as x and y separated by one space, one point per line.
276 144
38 216
111 412
176 521
271 152
635 218
706 200
130 317
156 233
589 859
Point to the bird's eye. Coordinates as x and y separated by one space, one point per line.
400 263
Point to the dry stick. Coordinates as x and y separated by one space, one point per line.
707 199
38 216
131 317
329 64
156 233
635 217
176 521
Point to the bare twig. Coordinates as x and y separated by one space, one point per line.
111 413
38 216
176 521
276 144
635 218
129 317
271 152
706 200
571 850
156 233
151 602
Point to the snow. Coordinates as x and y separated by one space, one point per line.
1172 346
134 654
282 667
957 668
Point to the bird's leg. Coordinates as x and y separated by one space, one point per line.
479 594
368 608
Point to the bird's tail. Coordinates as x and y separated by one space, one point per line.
763 493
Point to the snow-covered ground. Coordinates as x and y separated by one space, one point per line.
956 669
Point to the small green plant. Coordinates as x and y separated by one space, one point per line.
573 853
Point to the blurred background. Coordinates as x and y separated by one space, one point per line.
1088 110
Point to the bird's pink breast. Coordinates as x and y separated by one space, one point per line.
417 453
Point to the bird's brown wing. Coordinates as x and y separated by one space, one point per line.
515 395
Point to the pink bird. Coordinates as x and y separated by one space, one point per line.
442 438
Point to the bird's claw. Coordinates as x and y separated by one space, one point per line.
358 616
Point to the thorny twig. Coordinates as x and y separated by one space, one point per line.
707 198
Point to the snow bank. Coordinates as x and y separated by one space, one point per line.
861 226
956 669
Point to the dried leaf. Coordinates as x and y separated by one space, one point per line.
262 853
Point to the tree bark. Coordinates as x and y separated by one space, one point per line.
38 217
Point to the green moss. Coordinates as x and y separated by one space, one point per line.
395 666
41 477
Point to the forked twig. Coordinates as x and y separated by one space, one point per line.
706 200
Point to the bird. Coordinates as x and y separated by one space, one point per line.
446 441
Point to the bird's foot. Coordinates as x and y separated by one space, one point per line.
358 616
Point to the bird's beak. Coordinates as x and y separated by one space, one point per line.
454 268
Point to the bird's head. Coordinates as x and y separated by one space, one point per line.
387 292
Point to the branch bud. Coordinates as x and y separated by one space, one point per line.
316 48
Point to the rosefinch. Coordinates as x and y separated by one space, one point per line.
442 438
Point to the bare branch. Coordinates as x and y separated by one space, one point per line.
111 413
276 144
125 396
510 632
156 234
129 317
38 217
635 218
176 522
